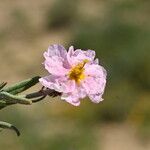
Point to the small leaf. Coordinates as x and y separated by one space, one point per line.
22 86
2 85
6 125
13 99
2 104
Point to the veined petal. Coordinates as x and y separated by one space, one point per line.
58 83
55 66
90 54
96 98
78 56
74 96
95 70
70 98
94 85
69 54
50 82
96 61
56 60
56 50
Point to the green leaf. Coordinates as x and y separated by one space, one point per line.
2 104
2 85
22 86
6 125
13 99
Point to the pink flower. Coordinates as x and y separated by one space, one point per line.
76 74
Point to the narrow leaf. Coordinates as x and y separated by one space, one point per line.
6 125
2 104
13 99
22 86
2 85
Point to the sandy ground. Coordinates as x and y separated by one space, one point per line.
121 137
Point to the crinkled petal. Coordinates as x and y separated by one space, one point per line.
68 85
56 50
56 60
50 82
90 54
55 66
70 98
69 54
96 98
60 84
95 70
96 61
81 92
78 56
94 85
75 96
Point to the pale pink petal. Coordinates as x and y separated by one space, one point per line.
55 66
51 82
71 98
69 55
68 85
75 96
81 92
95 70
58 83
90 54
82 55
96 98
96 61
94 85
56 50
56 60
78 56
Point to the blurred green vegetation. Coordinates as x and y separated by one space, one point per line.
123 47
62 13
119 31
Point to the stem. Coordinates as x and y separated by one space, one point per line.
42 94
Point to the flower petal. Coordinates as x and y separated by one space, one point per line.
96 98
90 54
95 70
74 96
94 85
50 82
56 60
78 56
59 84
56 50
72 99
69 54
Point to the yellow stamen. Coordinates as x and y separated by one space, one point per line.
77 72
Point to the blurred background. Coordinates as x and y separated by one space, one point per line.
119 31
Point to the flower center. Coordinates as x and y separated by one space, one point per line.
77 72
